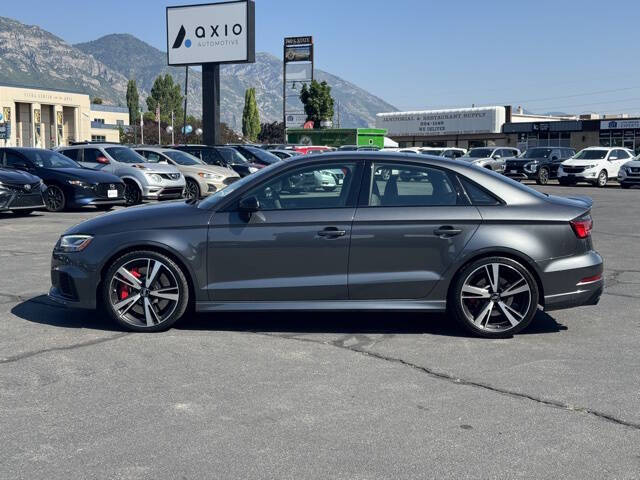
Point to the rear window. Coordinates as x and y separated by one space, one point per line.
72 154
477 194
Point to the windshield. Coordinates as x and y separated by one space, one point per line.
49 159
432 152
479 152
264 157
232 156
125 155
215 198
537 153
591 155
183 158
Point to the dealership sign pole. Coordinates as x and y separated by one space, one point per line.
211 35
297 70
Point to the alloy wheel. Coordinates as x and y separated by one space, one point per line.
543 176
144 292
191 190
54 199
602 178
131 194
495 297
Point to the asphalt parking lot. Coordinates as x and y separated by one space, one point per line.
319 395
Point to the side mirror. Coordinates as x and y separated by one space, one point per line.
497 157
249 205
103 160
613 157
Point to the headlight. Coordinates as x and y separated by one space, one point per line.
74 243
154 177
253 169
590 166
210 176
78 183
531 166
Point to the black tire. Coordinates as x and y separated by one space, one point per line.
132 193
108 291
603 177
54 199
509 269
22 213
104 208
192 190
542 178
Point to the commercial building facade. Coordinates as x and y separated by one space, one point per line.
48 118
461 127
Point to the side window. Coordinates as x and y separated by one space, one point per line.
91 155
478 196
14 159
456 153
72 154
144 153
210 157
153 157
622 154
407 185
311 187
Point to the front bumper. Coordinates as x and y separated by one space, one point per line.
72 284
584 176
166 191
628 178
584 274
16 200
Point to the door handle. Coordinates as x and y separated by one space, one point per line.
332 232
447 231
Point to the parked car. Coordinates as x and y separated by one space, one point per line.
284 154
142 180
594 165
629 173
256 155
200 179
68 184
307 149
490 157
489 250
20 192
539 164
221 156
448 152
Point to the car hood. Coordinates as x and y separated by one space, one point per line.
84 174
633 163
525 160
216 170
10 175
156 167
580 163
166 215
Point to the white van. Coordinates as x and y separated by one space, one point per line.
595 165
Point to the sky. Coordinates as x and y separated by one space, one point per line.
574 56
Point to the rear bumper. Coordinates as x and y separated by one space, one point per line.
573 281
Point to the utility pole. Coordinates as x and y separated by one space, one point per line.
158 120
141 128
173 141
184 125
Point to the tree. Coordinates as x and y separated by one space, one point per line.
271 132
250 116
166 94
317 101
96 101
133 102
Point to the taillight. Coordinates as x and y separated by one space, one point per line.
582 226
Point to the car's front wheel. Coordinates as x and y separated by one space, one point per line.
191 190
145 291
494 297
54 199
602 179
132 194
543 176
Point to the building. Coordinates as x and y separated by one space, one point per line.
48 118
461 127
585 131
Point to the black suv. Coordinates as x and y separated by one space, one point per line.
539 164
221 156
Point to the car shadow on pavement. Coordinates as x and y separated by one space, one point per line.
44 311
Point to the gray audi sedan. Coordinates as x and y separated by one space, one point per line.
430 234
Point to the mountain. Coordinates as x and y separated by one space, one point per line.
31 56
134 58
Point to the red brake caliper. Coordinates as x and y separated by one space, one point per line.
125 290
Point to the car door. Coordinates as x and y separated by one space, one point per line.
617 158
90 158
406 233
295 246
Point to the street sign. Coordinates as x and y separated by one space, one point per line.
5 131
290 41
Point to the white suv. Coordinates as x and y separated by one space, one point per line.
595 165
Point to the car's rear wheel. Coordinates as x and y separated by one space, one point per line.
145 291
602 179
54 199
543 176
494 297
132 194
191 190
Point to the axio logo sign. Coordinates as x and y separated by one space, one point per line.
214 33
613 124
